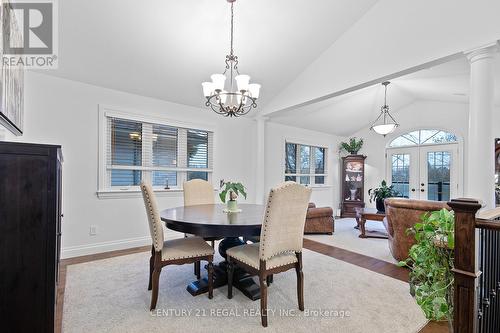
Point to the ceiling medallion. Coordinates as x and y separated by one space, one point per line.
233 102
385 123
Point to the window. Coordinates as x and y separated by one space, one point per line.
159 153
423 137
401 174
305 164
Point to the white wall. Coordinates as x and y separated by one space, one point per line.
65 112
276 134
452 117
392 36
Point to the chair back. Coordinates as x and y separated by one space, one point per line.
198 192
285 215
155 225
402 214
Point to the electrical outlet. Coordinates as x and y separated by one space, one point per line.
93 230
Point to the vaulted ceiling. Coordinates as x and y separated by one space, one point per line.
165 49
346 114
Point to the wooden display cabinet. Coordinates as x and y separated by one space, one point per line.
353 184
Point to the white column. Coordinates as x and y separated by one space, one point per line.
480 157
260 160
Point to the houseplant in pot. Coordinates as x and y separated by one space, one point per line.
353 146
379 194
431 262
233 189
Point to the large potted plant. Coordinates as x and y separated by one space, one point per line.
381 193
233 189
431 262
353 146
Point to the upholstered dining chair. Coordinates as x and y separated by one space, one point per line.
199 192
172 252
280 246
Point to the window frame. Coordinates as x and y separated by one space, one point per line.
312 163
104 190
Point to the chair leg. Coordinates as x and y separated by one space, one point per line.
210 279
263 299
197 270
230 271
156 281
151 267
300 282
269 279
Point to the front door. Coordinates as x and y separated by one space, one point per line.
425 172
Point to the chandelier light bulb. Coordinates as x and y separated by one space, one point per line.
254 89
218 81
242 82
208 88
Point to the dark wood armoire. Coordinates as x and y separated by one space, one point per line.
353 184
30 235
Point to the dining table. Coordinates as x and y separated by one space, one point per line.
214 222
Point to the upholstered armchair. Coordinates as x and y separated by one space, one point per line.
319 220
173 252
402 214
280 246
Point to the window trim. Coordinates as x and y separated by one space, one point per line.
106 111
299 142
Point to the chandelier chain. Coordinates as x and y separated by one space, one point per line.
232 26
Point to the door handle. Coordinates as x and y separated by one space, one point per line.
413 190
422 190
422 184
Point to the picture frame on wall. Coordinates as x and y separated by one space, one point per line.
12 78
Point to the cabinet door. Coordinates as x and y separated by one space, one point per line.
23 242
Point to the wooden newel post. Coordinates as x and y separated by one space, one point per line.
465 270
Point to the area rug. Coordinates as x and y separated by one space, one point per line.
347 238
111 296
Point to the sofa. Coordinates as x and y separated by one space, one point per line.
319 220
402 214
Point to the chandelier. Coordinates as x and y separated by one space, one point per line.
385 123
232 102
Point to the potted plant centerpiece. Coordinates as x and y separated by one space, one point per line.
379 194
234 189
353 146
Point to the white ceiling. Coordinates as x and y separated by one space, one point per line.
346 114
165 49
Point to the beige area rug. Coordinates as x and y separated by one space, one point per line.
111 296
347 238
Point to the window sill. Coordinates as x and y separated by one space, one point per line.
319 187
136 193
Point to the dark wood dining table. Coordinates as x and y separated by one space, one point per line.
210 221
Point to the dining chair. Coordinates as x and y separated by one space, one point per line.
199 192
171 252
280 246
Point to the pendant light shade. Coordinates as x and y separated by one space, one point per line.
385 123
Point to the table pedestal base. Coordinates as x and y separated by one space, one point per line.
241 279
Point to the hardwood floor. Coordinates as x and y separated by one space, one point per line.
372 264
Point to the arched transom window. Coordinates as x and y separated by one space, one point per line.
423 137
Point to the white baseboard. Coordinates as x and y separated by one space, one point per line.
82 250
